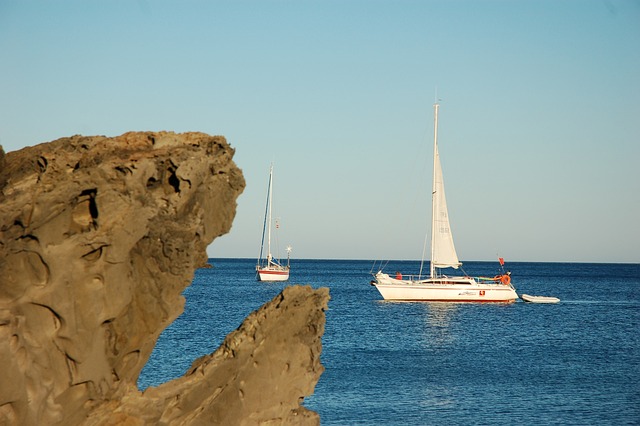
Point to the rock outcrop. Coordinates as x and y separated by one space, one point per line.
98 238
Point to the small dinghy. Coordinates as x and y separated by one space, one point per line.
539 299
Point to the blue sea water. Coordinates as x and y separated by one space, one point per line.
390 363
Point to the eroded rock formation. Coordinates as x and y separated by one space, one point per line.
98 238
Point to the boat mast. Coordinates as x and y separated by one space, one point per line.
433 189
269 223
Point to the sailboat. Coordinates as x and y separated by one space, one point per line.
269 268
440 287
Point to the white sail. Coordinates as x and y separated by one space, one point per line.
443 252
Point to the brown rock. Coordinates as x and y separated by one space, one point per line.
98 238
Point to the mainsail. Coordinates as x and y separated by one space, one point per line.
443 252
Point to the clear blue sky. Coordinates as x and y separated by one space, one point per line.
539 118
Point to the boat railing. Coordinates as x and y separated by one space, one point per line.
409 277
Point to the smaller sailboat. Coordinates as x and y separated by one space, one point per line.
440 287
269 268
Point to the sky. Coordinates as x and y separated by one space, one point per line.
539 120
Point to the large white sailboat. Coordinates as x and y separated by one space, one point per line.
439 287
268 267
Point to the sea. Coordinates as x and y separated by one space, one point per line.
419 363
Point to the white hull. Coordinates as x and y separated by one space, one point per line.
448 289
539 299
273 274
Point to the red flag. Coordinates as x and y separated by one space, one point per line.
501 260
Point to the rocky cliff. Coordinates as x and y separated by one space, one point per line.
98 238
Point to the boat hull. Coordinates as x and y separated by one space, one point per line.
461 289
272 274
539 299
